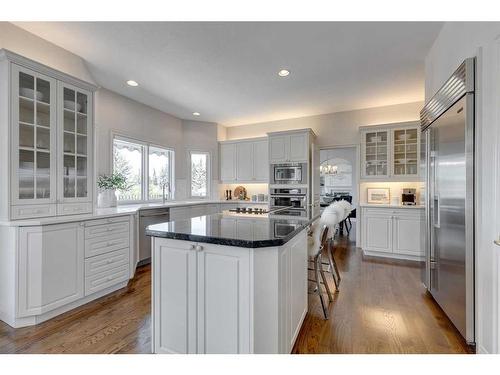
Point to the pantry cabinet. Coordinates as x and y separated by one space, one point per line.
244 161
390 152
48 144
392 232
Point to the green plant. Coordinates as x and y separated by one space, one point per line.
115 181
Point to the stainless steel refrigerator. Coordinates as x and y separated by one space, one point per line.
447 122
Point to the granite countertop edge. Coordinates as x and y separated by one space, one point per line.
254 244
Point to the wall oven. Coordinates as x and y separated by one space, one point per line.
291 198
294 173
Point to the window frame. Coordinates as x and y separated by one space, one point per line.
209 174
145 167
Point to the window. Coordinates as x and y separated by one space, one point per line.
147 169
200 174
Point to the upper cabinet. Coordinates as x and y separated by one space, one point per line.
49 120
244 161
390 152
292 147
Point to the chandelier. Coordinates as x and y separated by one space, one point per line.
328 169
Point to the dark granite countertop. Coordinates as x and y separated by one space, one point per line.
242 230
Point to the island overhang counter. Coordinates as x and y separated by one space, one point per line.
229 283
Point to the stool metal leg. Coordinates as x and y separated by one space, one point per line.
318 284
322 273
334 263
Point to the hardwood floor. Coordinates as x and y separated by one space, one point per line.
381 308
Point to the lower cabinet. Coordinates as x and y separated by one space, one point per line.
50 267
61 266
392 232
220 299
200 298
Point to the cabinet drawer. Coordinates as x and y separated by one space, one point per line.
74 208
109 220
106 262
26 212
106 279
106 229
105 244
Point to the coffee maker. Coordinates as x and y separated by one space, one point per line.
409 197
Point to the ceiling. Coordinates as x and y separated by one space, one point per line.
228 71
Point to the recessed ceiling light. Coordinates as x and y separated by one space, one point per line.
283 73
132 83
196 113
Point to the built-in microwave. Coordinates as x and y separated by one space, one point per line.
291 173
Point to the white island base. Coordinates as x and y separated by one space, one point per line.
221 299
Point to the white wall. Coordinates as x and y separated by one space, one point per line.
28 45
457 41
333 129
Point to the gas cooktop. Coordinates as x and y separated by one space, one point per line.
249 210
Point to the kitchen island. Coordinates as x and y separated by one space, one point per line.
229 283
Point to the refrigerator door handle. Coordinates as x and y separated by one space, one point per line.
436 214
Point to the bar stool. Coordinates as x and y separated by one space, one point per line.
331 217
318 241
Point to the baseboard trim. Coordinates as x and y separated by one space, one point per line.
415 258
37 319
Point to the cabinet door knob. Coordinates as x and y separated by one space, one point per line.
191 247
199 247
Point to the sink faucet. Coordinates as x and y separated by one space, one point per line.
165 186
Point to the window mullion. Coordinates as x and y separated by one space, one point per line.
145 173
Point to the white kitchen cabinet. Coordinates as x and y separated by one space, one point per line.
390 152
228 162
175 297
223 299
392 232
49 148
261 161
51 263
244 161
289 147
278 148
74 149
50 269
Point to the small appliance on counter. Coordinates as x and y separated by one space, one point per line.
409 197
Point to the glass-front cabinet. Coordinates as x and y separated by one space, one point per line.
46 161
405 152
76 144
390 152
33 159
376 153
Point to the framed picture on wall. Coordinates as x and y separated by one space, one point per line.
378 195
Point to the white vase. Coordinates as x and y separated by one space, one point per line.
106 198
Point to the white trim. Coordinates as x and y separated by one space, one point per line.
209 173
44 69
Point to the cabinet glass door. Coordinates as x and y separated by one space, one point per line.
376 144
75 142
34 132
405 160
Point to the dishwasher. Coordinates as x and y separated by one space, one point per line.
149 217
